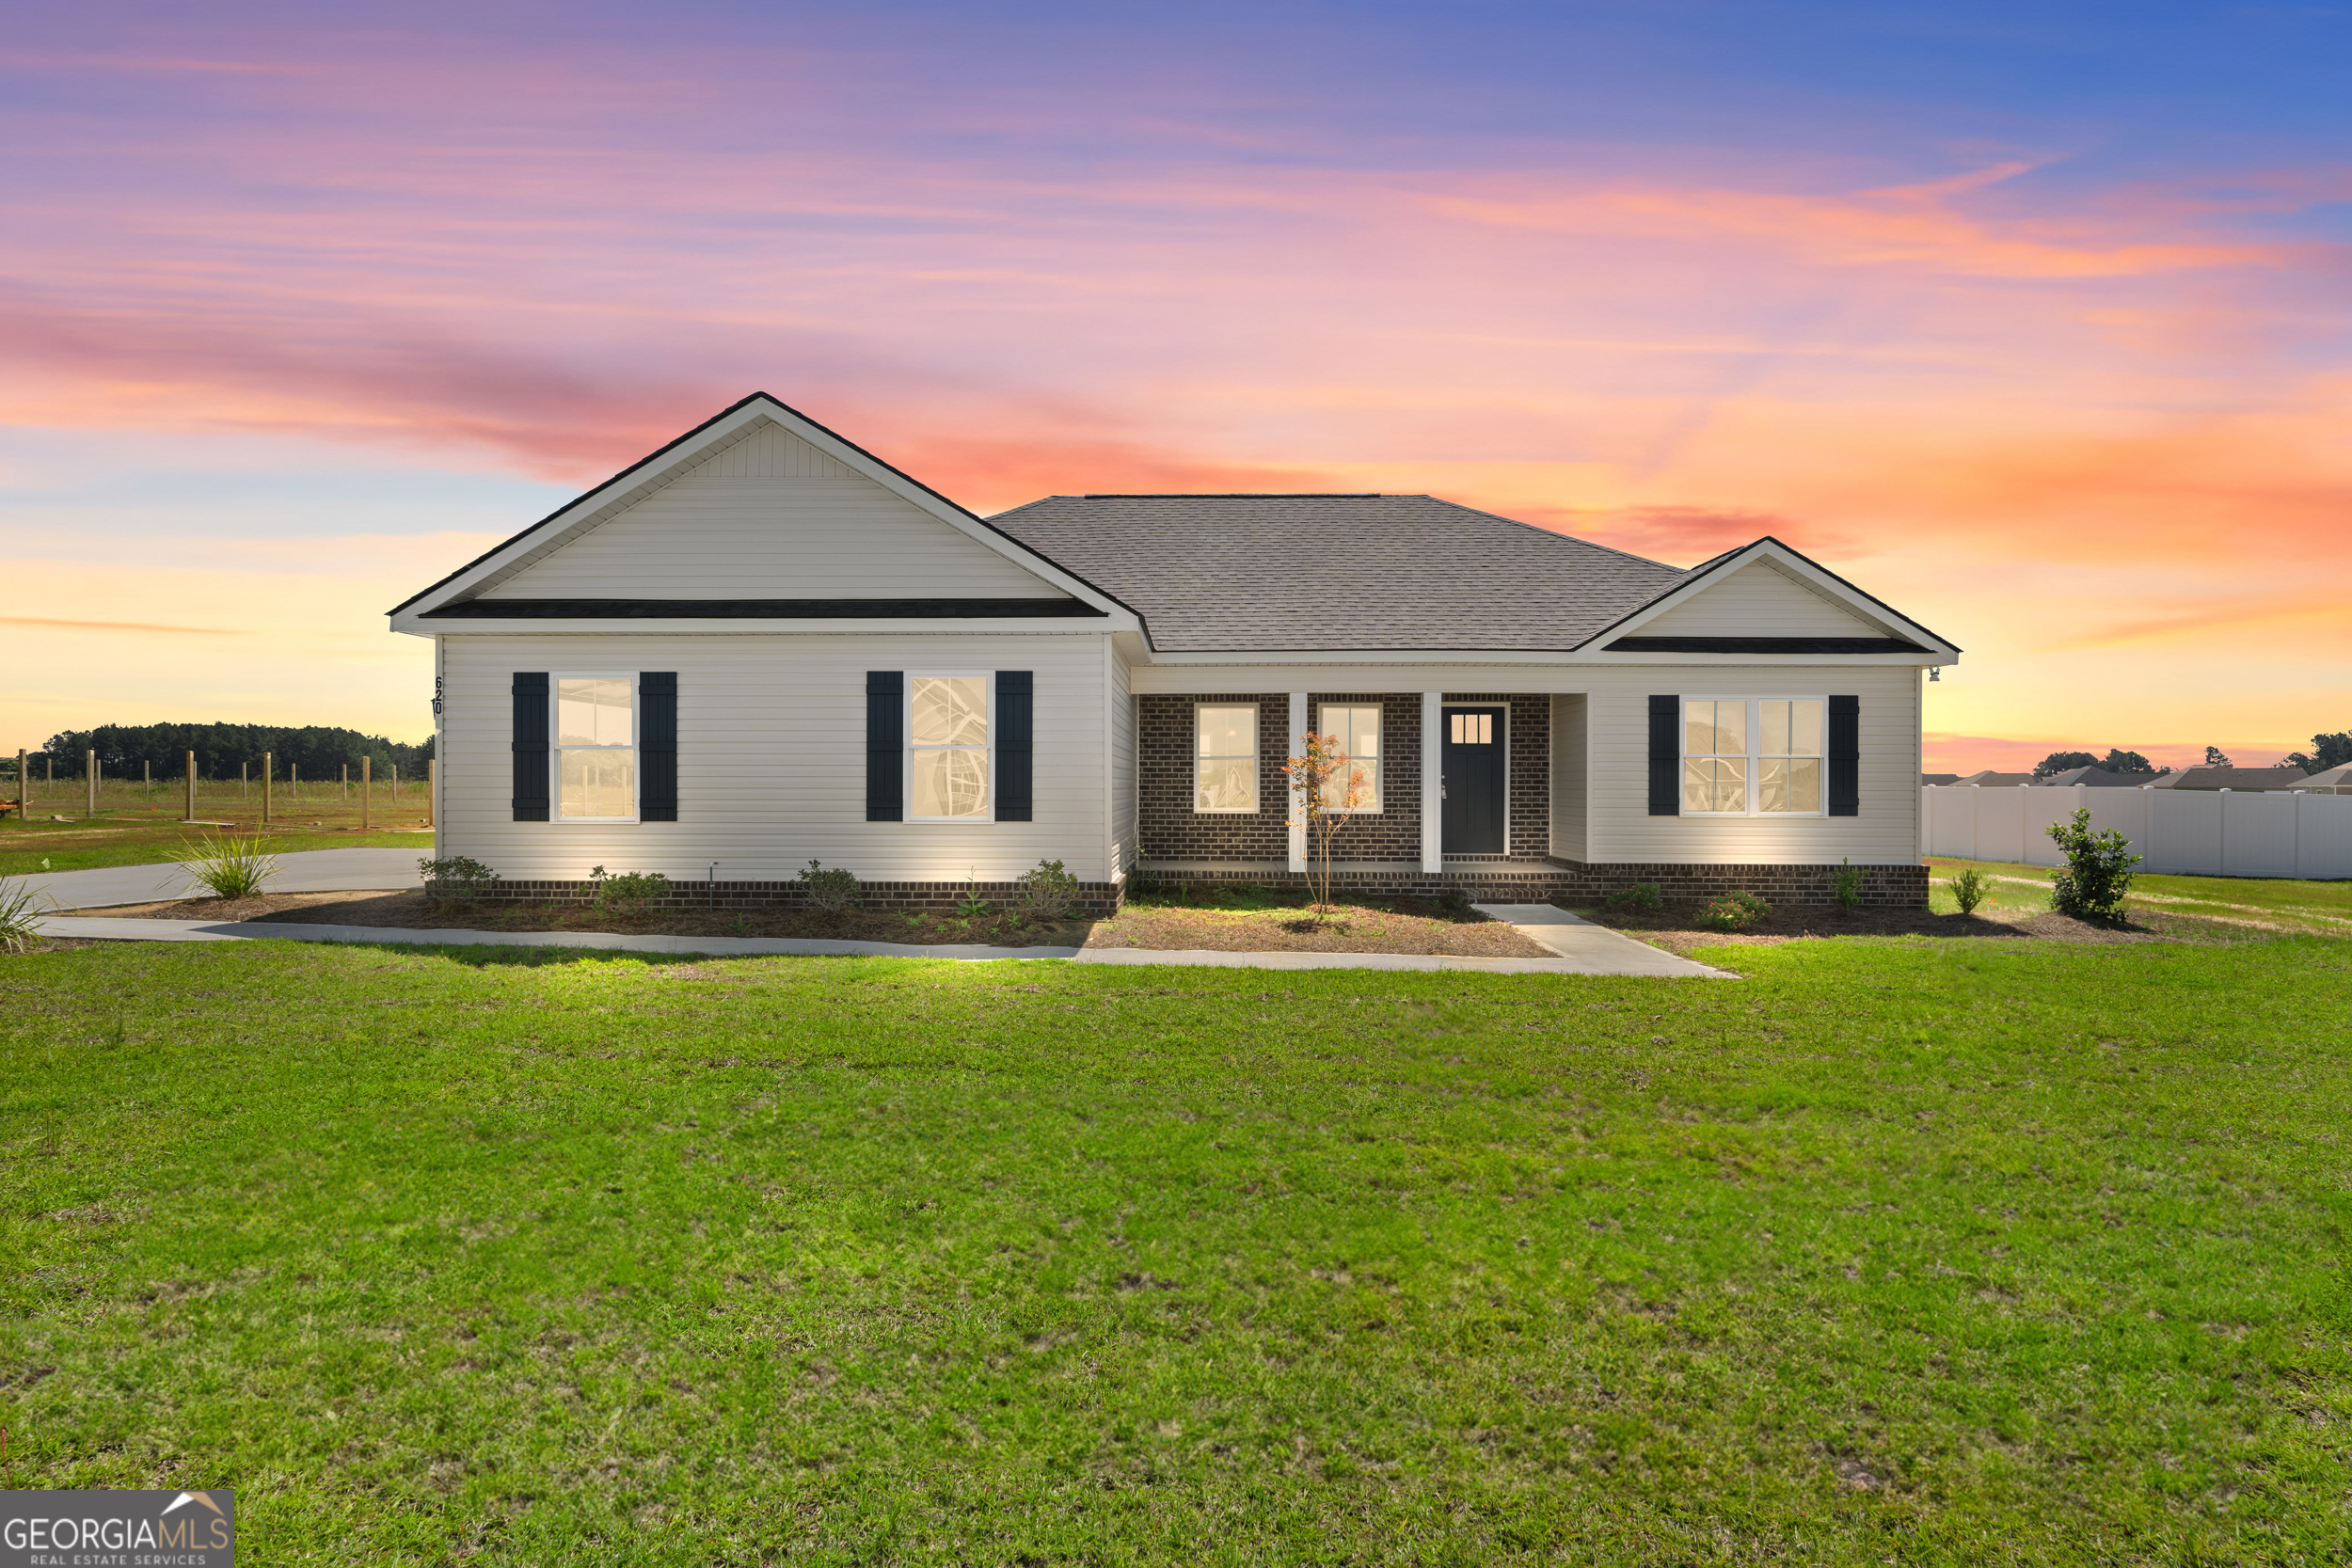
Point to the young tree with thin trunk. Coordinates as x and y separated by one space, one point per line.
1326 787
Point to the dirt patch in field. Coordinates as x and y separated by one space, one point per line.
411 910
1677 927
1405 926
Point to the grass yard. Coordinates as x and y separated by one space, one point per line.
2257 903
1989 1252
135 828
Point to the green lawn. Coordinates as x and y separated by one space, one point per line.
1895 1251
2294 904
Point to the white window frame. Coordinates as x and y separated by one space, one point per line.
1257 745
1379 772
907 747
1755 756
556 748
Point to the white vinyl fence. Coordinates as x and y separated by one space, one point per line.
2199 832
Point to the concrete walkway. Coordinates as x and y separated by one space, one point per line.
1641 960
1595 949
302 871
1583 948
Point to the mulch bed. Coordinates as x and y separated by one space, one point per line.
1677 929
413 911
1405 926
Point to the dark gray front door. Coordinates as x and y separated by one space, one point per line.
1476 811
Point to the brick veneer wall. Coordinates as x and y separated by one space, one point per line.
1094 898
1520 881
1393 831
1170 828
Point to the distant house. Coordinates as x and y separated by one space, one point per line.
2232 778
2097 777
1990 780
2333 780
1939 778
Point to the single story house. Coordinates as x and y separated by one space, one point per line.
2231 778
1927 780
2096 778
762 646
1993 779
2329 781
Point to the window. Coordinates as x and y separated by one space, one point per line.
1472 729
1788 756
1749 756
1225 757
596 748
1358 727
947 748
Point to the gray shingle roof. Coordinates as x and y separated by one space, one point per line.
1218 573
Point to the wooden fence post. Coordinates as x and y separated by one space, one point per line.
294 780
147 774
367 776
190 816
89 784
269 773
23 789
395 786
245 781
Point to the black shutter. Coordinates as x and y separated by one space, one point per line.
531 746
1016 723
656 746
1665 756
886 746
1845 756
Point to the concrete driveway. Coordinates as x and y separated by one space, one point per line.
303 871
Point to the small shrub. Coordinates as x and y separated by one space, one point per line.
227 867
460 879
1850 887
21 908
1048 891
2098 868
969 903
831 890
1734 912
1641 898
1971 887
626 894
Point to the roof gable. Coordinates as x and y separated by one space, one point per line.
758 505
1710 607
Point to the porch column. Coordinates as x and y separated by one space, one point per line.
1431 782
1298 745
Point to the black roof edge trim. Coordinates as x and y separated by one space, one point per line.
1235 495
1763 646
736 406
1705 567
764 609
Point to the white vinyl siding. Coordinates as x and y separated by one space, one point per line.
723 532
1121 701
1568 776
772 758
1757 600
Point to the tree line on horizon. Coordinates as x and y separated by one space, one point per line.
2328 751
319 751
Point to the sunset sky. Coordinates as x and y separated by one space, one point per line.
2030 319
